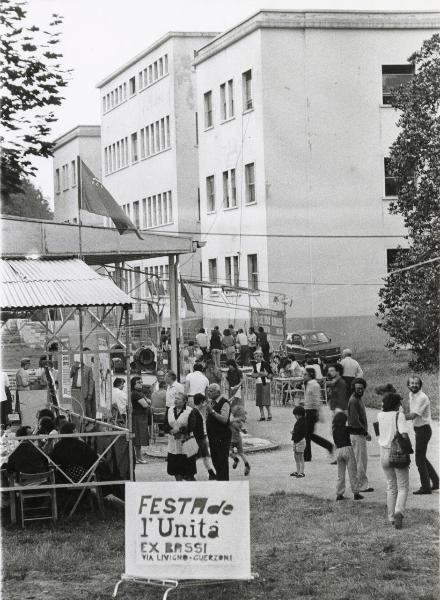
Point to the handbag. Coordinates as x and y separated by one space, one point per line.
190 447
399 450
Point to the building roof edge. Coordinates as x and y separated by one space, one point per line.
77 131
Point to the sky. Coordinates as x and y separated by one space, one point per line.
100 35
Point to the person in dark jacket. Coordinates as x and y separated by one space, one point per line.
345 457
200 433
263 343
219 433
72 455
26 458
216 346
299 440
262 372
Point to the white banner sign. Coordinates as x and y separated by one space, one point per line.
187 530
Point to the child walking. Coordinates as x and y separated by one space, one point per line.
236 423
345 457
299 440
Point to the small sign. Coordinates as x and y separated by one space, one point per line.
271 320
187 530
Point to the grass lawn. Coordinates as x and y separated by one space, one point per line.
382 366
302 548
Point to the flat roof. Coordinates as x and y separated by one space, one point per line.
319 19
75 132
156 44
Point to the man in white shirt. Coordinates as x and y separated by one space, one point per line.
352 368
119 396
202 340
420 415
173 388
195 383
242 340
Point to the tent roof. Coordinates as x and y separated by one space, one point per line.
28 283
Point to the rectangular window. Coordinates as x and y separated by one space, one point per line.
247 90
228 270
105 160
162 134
136 215
144 213
167 132
159 209
236 273
152 139
134 147
118 155
226 203
391 187
208 109
250 183
233 189
252 271
57 181
160 67
150 74
223 105
170 208
210 193
212 270
73 169
165 64
132 85
165 207
147 141
150 213
125 91
392 77
155 70
142 143
231 98
65 177
157 136
141 80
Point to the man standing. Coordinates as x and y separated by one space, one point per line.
173 388
351 368
339 393
359 436
420 415
202 340
244 347
22 375
216 346
196 383
312 404
218 412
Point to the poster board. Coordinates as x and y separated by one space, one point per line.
187 530
271 320
31 401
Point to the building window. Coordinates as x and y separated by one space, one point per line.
223 102
229 189
134 147
231 98
144 213
392 77
132 85
208 109
231 271
250 183
136 215
252 271
73 169
227 100
247 90
65 172
228 270
57 181
159 210
212 270
391 187
210 193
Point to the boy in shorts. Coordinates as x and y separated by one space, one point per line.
299 440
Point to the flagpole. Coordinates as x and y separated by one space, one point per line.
78 170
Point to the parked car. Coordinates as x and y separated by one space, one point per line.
313 342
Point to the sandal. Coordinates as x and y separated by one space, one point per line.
301 475
294 474
262 419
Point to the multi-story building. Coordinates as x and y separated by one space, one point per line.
149 146
83 141
295 126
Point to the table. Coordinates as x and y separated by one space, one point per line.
285 389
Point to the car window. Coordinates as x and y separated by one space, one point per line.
322 338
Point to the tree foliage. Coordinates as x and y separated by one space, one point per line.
28 202
32 80
409 307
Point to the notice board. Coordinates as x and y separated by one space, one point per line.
187 530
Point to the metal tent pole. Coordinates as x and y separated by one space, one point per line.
174 314
128 388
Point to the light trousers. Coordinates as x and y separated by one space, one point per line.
359 443
346 462
216 353
397 485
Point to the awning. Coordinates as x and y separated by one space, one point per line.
29 283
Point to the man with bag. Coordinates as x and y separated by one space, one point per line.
420 415
359 436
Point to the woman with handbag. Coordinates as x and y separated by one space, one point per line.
395 448
182 447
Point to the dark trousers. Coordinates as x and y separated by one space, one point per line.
90 407
220 457
348 381
427 472
312 417
244 355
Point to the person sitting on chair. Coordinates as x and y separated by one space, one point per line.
26 458
72 455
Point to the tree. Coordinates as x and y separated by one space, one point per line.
409 307
28 202
32 79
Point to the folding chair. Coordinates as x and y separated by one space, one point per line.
28 500
323 385
157 418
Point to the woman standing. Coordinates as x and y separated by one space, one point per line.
229 344
234 378
252 342
263 343
390 420
262 373
140 413
180 423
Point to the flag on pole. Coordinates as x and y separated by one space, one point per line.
187 298
94 198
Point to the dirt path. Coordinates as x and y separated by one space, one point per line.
270 470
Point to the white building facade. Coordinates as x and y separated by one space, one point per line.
294 129
149 149
83 141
